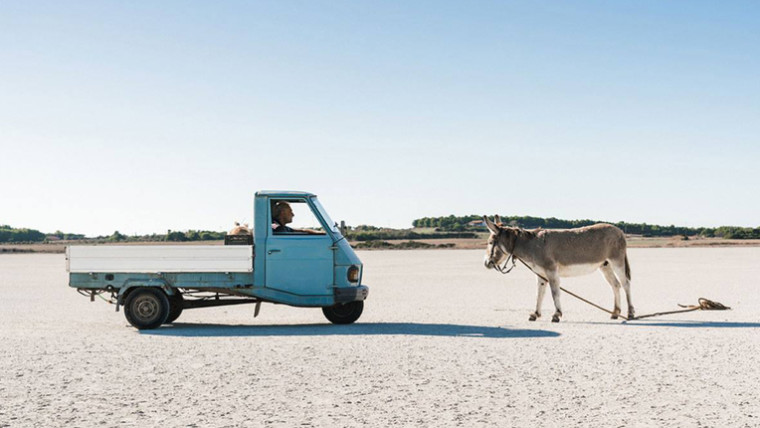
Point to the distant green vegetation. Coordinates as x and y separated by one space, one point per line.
730 232
195 235
65 236
372 233
9 234
448 227
171 235
407 245
464 223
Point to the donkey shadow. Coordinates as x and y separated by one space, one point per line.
358 329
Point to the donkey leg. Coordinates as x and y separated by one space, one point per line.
627 288
554 285
609 275
541 292
620 272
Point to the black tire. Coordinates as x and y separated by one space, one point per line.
175 307
146 308
345 313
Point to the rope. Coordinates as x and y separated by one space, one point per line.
587 301
702 305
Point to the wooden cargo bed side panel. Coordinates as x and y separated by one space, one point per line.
160 258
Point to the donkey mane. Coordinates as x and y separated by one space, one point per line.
522 233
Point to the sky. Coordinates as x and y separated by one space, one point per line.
144 116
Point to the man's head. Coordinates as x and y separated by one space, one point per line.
282 213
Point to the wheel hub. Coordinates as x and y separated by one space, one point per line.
146 308
343 310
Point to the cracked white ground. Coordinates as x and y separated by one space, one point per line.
442 342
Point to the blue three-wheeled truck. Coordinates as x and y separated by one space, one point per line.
313 266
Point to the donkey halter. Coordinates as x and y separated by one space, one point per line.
503 268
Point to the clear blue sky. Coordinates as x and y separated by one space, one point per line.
144 116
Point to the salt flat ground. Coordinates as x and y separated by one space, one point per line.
442 342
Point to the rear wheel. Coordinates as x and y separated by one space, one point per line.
175 307
345 313
146 308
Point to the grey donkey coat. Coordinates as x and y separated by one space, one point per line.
556 253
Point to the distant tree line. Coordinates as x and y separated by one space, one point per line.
171 235
66 236
10 234
448 227
18 235
464 223
459 223
195 235
406 245
372 233
731 232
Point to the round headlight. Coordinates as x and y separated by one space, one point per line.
353 274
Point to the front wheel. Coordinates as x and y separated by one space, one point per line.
345 313
146 308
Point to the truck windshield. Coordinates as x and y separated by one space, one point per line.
326 217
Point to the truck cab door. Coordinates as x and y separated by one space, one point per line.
299 256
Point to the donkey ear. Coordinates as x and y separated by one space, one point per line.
490 225
497 219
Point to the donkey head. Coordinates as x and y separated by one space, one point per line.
496 242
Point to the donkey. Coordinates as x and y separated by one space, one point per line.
553 254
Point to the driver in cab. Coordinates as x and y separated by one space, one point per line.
282 215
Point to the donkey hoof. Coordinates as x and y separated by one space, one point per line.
614 317
631 315
532 317
555 318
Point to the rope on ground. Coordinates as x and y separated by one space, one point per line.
702 305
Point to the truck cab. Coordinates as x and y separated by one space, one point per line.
313 265
306 263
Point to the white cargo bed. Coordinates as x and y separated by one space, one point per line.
159 258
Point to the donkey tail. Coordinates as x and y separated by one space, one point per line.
627 268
